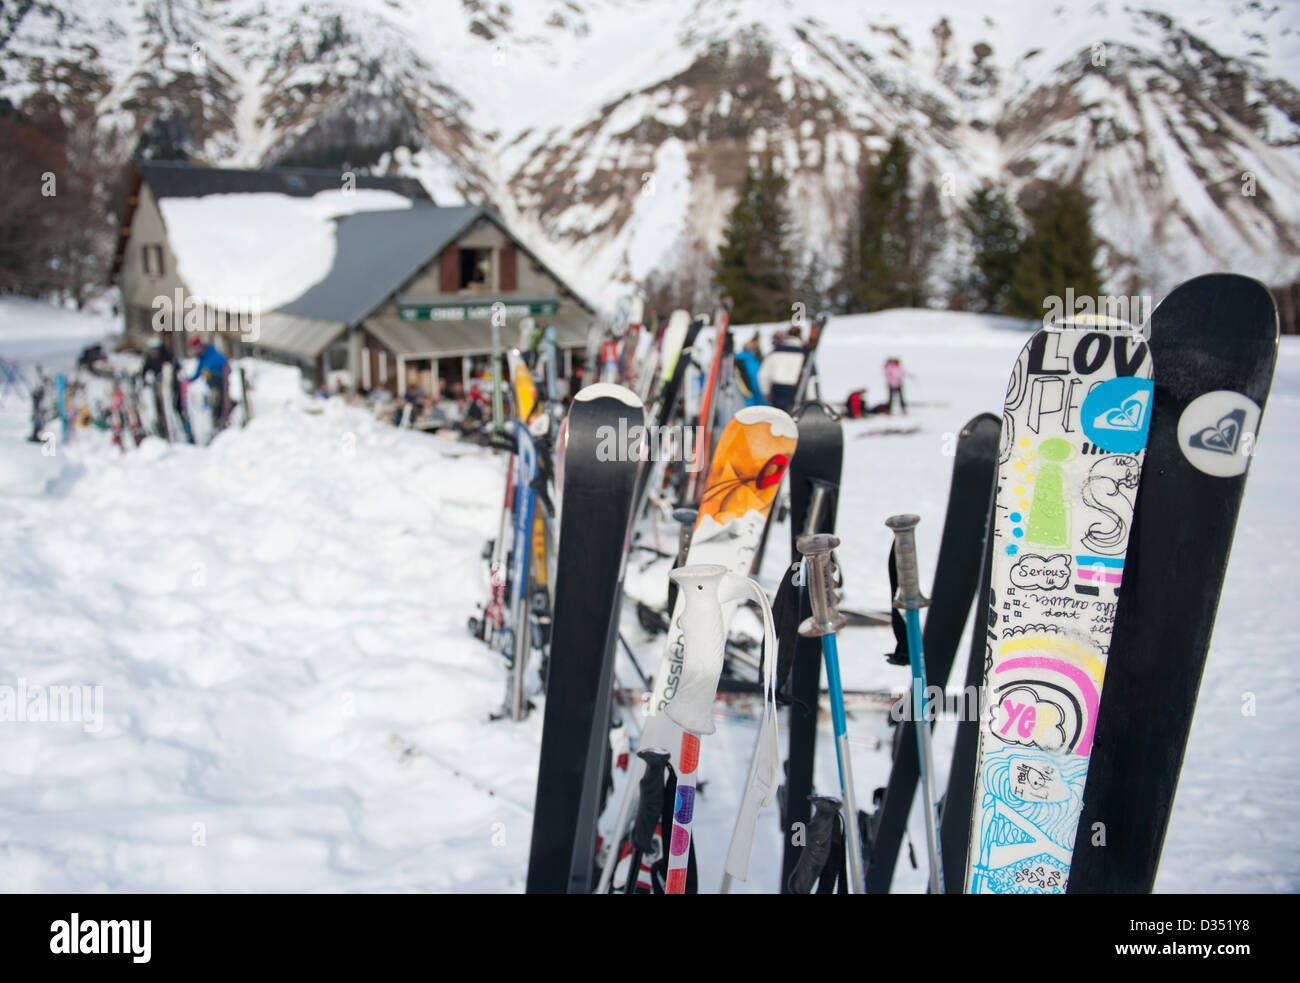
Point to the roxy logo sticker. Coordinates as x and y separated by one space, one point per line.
1116 414
1217 432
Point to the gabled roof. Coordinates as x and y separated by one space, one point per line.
176 179
377 252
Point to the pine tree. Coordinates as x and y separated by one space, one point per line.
925 236
1059 252
995 238
880 267
754 264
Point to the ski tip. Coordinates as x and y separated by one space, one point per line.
780 421
602 390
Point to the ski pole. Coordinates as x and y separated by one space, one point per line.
765 763
704 587
648 813
817 847
910 600
826 620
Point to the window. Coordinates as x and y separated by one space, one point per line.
476 269
153 260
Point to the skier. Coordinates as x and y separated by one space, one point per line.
748 366
894 380
779 376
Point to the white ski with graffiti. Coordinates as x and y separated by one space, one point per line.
1074 435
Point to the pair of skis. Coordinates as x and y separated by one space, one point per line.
1123 457
753 452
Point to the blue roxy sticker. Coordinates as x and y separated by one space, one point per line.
1116 415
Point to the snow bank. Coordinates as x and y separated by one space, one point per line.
290 700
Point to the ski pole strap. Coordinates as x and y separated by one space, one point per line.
835 875
817 844
899 656
820 584
909 595
785 613
651 805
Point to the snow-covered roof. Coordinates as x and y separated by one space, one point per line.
264 247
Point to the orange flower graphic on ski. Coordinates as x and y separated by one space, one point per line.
747 468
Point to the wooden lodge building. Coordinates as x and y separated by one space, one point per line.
408 299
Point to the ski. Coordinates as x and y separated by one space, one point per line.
752 455
593 539
1214 341
814 481
1073 437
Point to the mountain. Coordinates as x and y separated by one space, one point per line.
613 134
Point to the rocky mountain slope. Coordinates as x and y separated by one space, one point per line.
614 133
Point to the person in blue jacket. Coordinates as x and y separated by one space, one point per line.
748 361
212 364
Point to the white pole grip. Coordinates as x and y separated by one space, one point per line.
704 642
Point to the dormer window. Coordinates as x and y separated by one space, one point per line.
476 269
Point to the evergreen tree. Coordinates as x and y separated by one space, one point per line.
925 236
995 237
1059 252
754 263
895 237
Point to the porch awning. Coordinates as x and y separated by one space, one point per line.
443 339
302 336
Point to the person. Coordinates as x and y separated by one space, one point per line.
894 380
212 365
781 369
749 362
156 358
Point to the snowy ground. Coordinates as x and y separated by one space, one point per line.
290 700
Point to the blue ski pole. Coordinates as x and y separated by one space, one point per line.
910 600
826 620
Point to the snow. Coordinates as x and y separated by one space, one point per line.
261 250
290 700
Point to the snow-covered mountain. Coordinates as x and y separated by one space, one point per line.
614 133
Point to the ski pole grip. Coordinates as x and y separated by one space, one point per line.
704 639
820 493
817 844
820 584
909 597
651 803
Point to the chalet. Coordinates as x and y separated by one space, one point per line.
364 275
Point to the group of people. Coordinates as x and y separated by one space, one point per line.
773 379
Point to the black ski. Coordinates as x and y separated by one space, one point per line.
814 483
956 582
1214 340
594 526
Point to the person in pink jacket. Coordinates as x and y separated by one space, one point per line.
894 380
